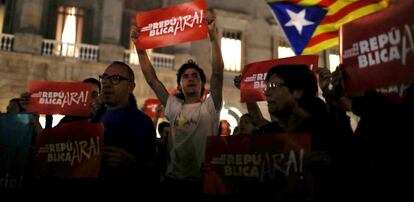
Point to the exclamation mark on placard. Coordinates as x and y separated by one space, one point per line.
85 98
301 152
200 19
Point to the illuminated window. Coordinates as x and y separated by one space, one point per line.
284 52
333 61
69 29
2 12
231 50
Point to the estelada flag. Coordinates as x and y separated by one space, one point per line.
67 98
312 25
383 54
71 150
172 25
253 78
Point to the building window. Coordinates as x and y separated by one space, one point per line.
283 49
333 62
333 59
231 48
2 13
284 52
69 30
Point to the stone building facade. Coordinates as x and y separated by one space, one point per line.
32 46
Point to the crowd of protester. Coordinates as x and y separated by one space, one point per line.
344 163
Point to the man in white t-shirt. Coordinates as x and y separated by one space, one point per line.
192 117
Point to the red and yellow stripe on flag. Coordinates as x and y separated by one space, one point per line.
339 12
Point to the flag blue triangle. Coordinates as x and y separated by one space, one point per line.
297 40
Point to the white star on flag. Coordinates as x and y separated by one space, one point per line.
298 20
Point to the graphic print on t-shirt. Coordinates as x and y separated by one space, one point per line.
183 123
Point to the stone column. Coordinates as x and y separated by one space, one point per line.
109 47
27 37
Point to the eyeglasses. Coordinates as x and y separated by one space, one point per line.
272 85
115 79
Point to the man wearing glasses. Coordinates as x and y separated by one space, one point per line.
130 140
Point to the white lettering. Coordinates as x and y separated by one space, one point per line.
363 46
394 54
383 40
373 43
173 25
362 61
410 47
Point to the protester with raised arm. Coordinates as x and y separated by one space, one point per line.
192 118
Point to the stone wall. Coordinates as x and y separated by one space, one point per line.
17 69
250 17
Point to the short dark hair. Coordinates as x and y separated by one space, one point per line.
129 69
296 77
93 81
190 64
17 101
162 125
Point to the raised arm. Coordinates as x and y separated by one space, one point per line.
252 107
333 88
148 70
216 81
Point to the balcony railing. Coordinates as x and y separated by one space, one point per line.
6 42
131 57
162 61
158 60
78 51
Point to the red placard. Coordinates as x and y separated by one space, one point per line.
71 150
253 78
395 93
172 25
382 54
234 163
150 107
67 98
